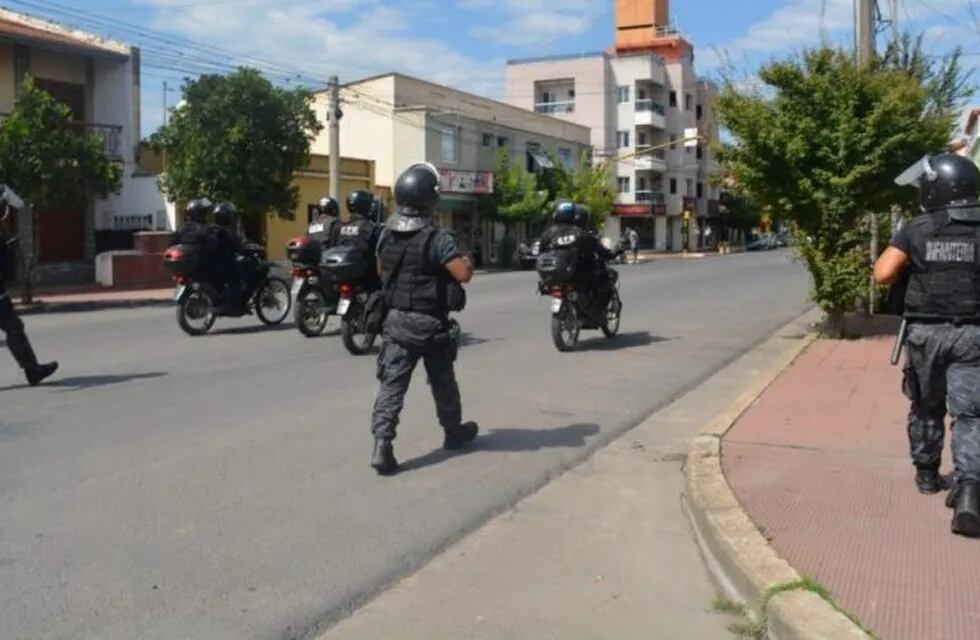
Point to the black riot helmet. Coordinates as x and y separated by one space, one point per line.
418 188
582 216
198 210
944 181
327 206
564 212
360 203
225 214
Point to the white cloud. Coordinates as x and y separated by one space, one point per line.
534 23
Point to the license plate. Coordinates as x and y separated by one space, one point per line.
297 285
556 305
179 292
343 306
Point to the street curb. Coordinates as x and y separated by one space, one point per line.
90 305
738 557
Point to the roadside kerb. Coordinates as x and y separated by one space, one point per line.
738 556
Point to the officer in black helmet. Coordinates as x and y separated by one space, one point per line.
10 324
360 232
195 228
571 230
420 267
224 244
326 225
938 250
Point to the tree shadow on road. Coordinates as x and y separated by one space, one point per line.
623 341
77 383
511 441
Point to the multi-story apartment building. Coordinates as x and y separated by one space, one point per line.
397 120
640 98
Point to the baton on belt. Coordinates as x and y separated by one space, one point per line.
903 335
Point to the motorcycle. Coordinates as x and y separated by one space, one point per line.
313 290
573 307
350 269
200 303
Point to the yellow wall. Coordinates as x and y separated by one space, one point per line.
314 183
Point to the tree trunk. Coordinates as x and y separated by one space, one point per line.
835 324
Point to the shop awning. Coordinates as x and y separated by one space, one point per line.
541 160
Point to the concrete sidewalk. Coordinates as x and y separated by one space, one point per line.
604 551
820 464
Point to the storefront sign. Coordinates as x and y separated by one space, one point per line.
466 181
638 210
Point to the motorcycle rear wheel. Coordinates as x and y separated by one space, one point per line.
357 340
565 328
273 301
311 312
196 313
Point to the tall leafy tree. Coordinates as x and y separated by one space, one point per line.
238 138
820 144
52 164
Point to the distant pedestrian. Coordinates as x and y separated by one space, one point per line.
634 240
938 253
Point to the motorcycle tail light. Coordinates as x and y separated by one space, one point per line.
345 289
181 279
299 273
557 293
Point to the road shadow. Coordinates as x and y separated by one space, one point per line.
77 383
257 328
631 340
573 436
467 339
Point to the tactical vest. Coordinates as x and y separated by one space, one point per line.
417 284
322 230
357 233
944 269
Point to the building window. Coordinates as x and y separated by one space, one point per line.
700 152
566 159
450 151
673 185
689 184
699 111
641 183
673 99
641 94
623 184
571 94
622 139
622 94
503 141
547 97
487 140
700 190
673 142
688 102
642 139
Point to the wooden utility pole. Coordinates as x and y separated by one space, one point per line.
333 117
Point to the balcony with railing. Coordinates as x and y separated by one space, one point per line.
557 107
655 160
110 134
650 197
650 114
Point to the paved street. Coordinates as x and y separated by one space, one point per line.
218 487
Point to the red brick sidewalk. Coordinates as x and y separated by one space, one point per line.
820 463
89 298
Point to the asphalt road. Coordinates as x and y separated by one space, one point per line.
218 487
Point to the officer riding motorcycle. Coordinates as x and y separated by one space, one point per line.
574 271
324 228
938 254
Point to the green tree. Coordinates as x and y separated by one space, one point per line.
517 200
51 164
819 147
587 184
739 214
238 138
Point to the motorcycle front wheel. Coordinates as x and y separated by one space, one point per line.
196 313
565 328
273 301
614 312
355 336
311 312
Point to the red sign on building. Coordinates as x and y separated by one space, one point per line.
638 210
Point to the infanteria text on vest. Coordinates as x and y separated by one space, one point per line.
944 269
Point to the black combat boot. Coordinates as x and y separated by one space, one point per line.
38 372
966 515
383 460
464 433
928 480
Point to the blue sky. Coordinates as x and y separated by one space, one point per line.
462 43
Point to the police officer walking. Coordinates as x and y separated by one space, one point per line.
10 324
420 265
325 227
938 250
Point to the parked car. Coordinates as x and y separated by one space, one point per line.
766 242
528 252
